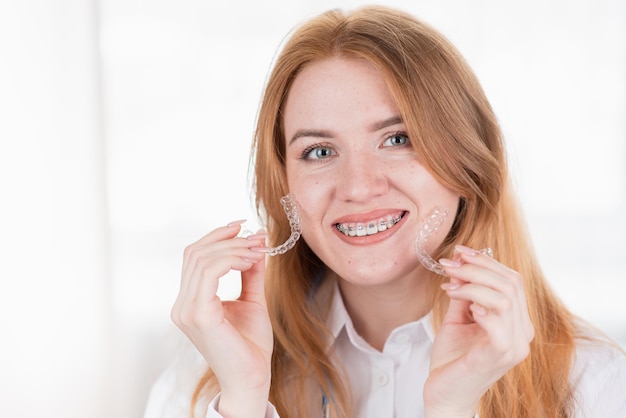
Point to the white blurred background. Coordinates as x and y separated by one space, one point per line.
124 134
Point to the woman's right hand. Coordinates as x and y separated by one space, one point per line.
235 337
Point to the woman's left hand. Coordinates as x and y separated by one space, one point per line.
485 333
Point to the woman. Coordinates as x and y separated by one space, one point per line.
373 122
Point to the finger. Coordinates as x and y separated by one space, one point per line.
501 334
485 301
489 299
204 266
220 233
488 290
253 283
506 321
200 308
508 341
203 280
458 310
242 247
218 239
468 255
195 256
511 285
527 324
500 329
485 273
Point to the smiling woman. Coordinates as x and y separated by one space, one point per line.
369 173
372 121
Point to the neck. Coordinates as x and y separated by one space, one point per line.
376 310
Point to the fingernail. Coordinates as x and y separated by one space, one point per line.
464 250
446 262
450 286
261 249
236 223
256 236
478 309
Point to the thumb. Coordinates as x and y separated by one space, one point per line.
458 310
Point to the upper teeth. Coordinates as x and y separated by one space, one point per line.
358 229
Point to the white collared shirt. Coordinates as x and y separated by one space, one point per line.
389 384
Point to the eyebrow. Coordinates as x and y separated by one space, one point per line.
377 126
314 133
311 133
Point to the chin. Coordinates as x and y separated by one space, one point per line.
374 274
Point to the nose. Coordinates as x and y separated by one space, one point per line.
362 178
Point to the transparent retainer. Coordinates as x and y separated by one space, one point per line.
430 227
289 206
431 224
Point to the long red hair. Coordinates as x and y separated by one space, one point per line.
454 130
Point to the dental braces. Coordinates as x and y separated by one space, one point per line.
363 230
430 227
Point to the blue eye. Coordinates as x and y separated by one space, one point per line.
317 152
396 140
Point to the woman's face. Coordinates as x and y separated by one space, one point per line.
361 191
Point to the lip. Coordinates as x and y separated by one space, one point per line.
365 217
368 216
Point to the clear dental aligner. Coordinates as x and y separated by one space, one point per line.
289 206
430 227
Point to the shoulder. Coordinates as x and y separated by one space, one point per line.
598 377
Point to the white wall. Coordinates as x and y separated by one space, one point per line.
124 132
55 290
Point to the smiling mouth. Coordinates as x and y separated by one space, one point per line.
373 227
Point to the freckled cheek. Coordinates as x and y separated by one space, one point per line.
313 197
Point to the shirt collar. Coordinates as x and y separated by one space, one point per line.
338 317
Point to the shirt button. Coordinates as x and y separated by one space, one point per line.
382 379
402 338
